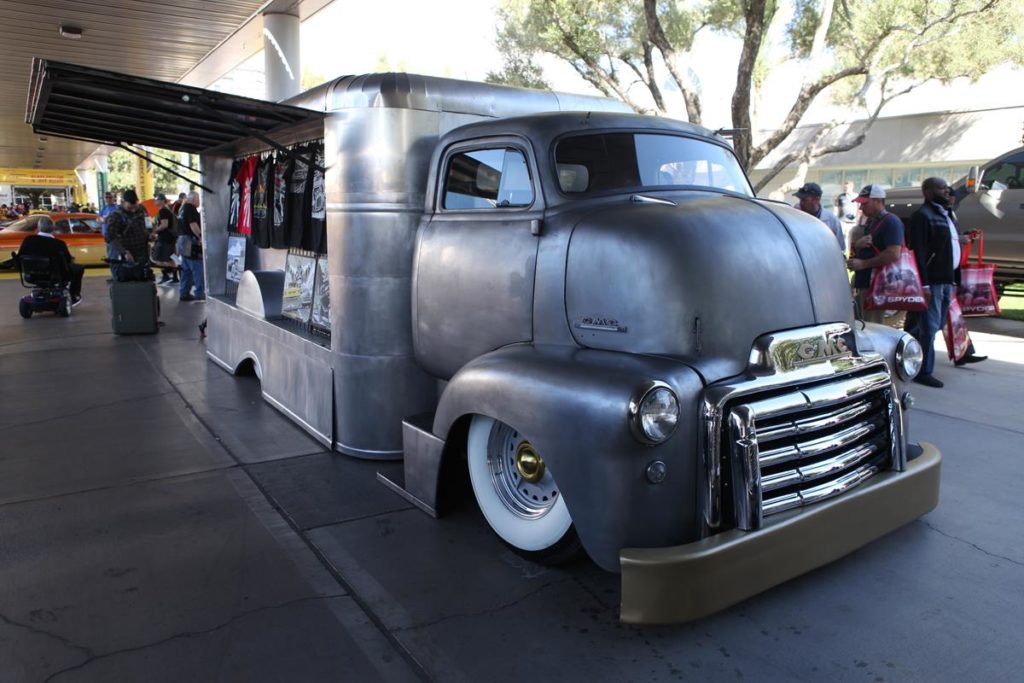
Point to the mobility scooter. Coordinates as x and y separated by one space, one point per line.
49 291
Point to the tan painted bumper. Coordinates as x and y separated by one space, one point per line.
686 582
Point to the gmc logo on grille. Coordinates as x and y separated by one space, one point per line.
814 350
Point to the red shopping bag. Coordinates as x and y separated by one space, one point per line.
977 292
897 286
955 332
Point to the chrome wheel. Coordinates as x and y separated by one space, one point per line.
515 489
519 474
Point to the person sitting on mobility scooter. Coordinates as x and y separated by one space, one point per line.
49 269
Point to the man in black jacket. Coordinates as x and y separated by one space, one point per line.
62 263
935 238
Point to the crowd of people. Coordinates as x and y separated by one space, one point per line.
172 241
15 211
873 238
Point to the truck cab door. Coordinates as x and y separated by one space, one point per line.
476 256
998 209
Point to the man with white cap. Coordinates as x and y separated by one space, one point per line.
881 245
810 202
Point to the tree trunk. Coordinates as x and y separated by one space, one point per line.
656 34
743 139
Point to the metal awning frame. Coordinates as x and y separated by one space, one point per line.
115 109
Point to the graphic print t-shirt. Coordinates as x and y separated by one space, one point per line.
262 197
234 192
298 199
246 171
279 214
318 210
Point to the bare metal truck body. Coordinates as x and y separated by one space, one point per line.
501 306
591 313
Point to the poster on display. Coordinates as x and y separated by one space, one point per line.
299 275
321 317
236 258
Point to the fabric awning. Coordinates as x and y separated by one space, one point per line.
82 103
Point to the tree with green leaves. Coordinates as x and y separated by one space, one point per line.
861 54
121 172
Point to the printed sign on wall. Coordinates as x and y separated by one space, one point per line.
299 275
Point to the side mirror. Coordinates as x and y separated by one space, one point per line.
972 179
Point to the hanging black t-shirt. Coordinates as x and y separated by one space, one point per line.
262 198
318 210
279 215
234 196
170 235
299 199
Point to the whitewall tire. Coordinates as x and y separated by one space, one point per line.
517 493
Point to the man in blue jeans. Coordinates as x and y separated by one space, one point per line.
190 235
935 238
109 207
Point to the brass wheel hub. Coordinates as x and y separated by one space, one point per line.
529 463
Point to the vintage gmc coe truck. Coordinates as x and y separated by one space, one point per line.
586 309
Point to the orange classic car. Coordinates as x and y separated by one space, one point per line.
81 232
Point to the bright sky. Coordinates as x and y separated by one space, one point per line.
455 38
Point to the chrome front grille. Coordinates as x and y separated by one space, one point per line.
787 447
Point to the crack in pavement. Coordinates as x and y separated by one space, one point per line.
973 545
34 349
488 611
188 634
53 636
83 411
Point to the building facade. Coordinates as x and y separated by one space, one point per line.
900 151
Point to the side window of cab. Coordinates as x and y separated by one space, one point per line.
1007 174
62 227
497 178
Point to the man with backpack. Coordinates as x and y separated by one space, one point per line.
126 234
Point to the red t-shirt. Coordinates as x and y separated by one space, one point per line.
244 178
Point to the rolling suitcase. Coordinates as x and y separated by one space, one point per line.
135 307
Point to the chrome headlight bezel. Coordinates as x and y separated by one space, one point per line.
641 402
909 357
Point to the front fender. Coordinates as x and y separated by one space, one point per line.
572 404
882 340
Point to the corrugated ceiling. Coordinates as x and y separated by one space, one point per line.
161 40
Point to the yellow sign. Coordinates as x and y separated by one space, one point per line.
144 179
29 177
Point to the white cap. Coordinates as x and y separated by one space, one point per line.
870 192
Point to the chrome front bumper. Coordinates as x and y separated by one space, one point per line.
687 582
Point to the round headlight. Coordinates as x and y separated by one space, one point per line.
909 357
655 414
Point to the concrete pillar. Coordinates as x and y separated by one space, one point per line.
282 64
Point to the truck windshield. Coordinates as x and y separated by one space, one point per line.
604 162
